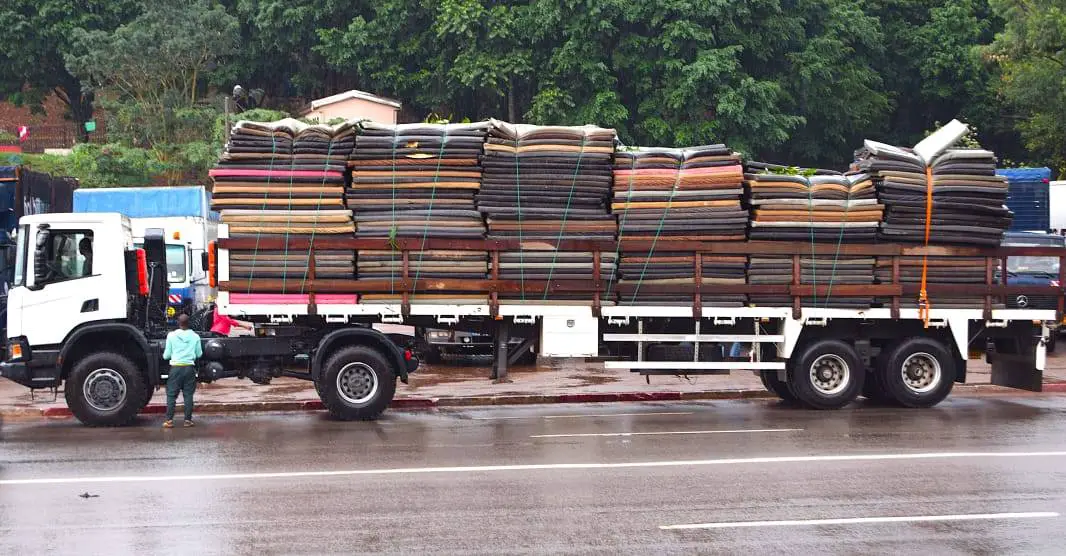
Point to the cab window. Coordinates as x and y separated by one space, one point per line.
69 255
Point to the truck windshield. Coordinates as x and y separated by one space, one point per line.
20 255
1033 265
176 265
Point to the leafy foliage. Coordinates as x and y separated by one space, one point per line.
797 81
1031 54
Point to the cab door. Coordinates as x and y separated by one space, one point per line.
66 285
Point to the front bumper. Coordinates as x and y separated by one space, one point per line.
30 376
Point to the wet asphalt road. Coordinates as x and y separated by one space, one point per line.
499 481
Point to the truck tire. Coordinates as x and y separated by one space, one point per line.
357 383
1053 339
918 372
827 374
105 390
776 386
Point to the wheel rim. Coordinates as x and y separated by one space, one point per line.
357 383
104 389
921 373
830 374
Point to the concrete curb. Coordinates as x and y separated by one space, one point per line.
417 403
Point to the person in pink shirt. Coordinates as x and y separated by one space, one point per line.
221 324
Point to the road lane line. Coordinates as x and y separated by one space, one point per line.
588 415
595 434
857 520
527 467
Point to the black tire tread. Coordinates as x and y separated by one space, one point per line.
136 390
805 393
327 389
893 386
776 386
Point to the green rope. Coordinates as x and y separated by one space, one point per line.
262 217
392 226
659 229
288 223
518 201
566 213
840 240
314 227
621 225
432 200
814 255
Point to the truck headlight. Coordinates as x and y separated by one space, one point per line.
440 334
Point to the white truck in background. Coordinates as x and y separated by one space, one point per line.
188 225
1057 206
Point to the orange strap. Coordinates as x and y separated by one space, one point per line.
923 296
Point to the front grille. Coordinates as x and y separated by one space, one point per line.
1033 302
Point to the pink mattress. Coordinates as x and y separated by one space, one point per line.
291 299
239 173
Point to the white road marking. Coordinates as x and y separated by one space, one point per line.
858 520
525 467
588 415
593 434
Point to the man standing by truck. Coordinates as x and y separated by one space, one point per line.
182 350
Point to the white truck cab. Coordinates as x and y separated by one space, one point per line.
72 280
88 312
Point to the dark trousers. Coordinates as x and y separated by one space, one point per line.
181 378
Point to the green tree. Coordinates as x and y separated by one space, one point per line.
153 68
1030 53
37 37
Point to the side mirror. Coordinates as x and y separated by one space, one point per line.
204 261
40 257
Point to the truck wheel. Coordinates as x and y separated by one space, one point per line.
105 390
776 386
919 372
357 383
1052 340
826 375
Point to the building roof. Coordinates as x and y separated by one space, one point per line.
354 94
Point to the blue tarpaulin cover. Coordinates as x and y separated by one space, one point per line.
1027 197
145 202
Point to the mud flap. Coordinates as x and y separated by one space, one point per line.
1017 355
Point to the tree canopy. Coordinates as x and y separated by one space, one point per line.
797 81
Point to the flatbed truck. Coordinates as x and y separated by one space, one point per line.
100 336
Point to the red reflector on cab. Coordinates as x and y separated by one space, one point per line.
142 272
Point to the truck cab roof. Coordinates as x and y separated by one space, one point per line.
76 218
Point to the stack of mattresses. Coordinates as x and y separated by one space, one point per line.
968 198
664 195
968 271
824 208
543 265
285 180
822 270
418 181
542 185
546 182
669 270
691 194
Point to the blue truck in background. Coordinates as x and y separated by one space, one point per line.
1028 197
184 215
